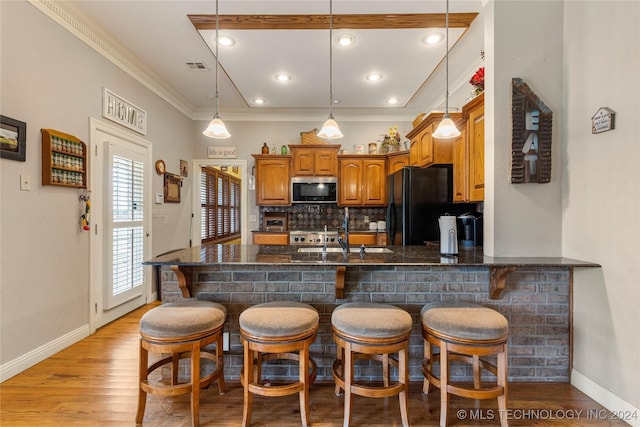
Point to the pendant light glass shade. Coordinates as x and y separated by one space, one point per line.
330 129
216 128
446 129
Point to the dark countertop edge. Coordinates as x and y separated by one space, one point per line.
287 253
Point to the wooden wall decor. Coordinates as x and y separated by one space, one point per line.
531 136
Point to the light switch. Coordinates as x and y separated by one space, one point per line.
159 198
25 182
252 218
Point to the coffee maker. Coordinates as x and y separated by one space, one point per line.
471 227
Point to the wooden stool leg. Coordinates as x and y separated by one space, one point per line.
220 361
502 381
476 371
348 381
175 363
385 370
246 380
142 376
340 357
428 352
403 378
304 379
195 385
444 383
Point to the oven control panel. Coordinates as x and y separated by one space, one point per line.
313 238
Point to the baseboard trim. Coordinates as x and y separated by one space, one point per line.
606 398
19 364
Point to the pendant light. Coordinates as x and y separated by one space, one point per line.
446 129
216 128
330 129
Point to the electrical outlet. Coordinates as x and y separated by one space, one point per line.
225 341
366 218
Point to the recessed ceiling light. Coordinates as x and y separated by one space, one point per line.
392 101
374 77
226 41
345 39
259 101
433 38
283 77
336 101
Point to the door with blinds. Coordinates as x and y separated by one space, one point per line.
219 206
120 283
125 226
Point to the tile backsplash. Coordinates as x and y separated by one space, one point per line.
315 216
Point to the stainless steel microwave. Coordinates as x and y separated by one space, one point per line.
314 189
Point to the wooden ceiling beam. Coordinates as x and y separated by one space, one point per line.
320 22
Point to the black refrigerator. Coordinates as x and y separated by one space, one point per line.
417 197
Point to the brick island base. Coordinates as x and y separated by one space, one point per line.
536 301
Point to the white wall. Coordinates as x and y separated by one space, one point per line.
522 39
601 199
50 79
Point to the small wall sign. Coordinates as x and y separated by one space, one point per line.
222 152
603 120
123 112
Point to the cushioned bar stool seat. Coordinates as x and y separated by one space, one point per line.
181 329
277 330
371 331
465 332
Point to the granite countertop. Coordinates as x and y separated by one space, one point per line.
217 254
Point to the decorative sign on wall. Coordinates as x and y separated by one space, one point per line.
222 152
123 112
531 136
603 120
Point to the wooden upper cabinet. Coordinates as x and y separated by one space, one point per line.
474 115
350 181
425 150
396 161
273 175
362 180
315 159
460 169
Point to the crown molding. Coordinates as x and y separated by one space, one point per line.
63 14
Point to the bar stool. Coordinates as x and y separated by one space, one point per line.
277 330
181 329
371 331
465 332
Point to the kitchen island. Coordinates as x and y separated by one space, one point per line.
533 293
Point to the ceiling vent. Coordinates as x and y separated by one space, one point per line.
197 66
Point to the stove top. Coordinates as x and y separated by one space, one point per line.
313 237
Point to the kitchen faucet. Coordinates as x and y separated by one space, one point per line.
344 243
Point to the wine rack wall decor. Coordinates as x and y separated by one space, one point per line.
64 160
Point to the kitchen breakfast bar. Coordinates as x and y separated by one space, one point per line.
534 294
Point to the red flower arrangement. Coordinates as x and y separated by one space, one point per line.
477 80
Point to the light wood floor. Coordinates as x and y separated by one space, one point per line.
93 383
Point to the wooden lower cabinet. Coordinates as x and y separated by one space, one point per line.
273 178
270 238
362 180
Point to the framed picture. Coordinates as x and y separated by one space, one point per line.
13 139
184 168
224 168
172 188
235 169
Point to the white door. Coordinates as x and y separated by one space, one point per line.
120 213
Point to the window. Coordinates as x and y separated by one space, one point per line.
219 206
